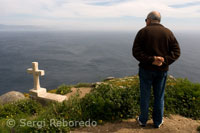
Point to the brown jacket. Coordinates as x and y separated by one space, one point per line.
155 40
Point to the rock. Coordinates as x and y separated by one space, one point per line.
11 96
98 83
172 77
109 78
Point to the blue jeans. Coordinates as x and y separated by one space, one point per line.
157 80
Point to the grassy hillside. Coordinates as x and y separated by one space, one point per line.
110 100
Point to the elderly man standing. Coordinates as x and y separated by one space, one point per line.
155 47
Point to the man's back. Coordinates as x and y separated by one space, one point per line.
155 40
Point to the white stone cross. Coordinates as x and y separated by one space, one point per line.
36 73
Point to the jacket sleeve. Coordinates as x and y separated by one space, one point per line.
138 50
174 50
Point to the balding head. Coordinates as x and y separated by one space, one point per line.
154 16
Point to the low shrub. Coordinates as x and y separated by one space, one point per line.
23 107
63 89
58 116
16 111
109 102
183 98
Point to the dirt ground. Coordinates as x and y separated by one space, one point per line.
172 124
82 92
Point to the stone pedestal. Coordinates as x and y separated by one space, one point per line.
53 97
39 92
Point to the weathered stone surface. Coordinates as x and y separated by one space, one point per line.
172 77
11 96
98 83
109 78
53 97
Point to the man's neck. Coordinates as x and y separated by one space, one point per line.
154 22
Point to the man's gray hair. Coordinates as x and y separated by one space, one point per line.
154 15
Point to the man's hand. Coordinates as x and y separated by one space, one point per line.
158 60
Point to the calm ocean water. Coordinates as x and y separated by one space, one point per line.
73 57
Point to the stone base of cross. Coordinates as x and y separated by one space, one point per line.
41 93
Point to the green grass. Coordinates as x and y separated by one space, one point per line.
64 89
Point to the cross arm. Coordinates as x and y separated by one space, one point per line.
41 72
30 70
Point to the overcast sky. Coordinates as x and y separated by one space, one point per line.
100 14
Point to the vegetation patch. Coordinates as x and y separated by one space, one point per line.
111 100
198 128
22 107
183 98
64 89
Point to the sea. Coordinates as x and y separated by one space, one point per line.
71 57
